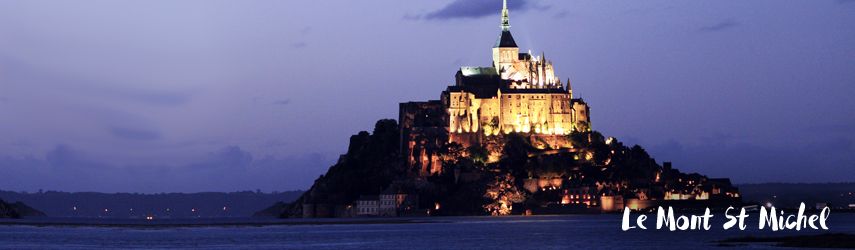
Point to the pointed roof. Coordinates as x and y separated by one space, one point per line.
506 40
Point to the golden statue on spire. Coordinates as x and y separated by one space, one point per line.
506 23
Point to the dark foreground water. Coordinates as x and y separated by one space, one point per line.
539 232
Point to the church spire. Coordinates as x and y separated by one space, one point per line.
506 22
505 40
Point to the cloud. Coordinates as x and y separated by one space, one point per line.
306 30
166 98
838 128
229 157
724 25
275 143
32 76
299 45
134 134
61 155
561 14
282 102
461 9
227 169
828 160
412 17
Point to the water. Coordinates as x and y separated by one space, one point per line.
539 232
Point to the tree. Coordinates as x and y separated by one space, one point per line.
502 193
451 153
478 154
516 156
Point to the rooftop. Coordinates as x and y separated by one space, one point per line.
506 40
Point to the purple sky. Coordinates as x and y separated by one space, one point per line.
157 96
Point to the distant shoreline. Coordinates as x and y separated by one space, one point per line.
261 222
255 222
183 223
830 240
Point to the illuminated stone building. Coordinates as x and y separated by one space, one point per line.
518 93
368 205
394 202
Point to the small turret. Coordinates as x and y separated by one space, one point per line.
569 88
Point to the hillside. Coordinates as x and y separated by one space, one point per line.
526 179
17 210
370 165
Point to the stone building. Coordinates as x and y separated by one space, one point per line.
368 205
394 202
589 196
517 93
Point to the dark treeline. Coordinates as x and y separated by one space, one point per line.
162 205
840 195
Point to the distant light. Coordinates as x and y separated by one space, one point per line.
224 208
106 210
74 208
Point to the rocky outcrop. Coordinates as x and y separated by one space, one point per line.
273 211
370 165
17 210
7 211
593 174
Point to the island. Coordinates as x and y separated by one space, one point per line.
508 138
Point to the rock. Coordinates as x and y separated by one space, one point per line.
18 210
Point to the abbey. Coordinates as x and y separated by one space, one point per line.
507 138
518 93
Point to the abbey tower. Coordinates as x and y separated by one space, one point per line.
519 93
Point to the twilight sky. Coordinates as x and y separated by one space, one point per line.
201 95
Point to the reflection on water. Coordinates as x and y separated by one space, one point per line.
541 232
